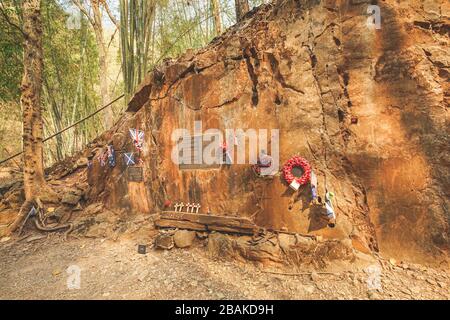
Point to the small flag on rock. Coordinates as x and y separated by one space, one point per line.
138 138
129 159
32 212
102 158
111 156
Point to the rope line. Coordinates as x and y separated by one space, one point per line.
185 32
69 127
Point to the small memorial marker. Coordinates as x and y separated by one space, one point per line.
142 249
135 174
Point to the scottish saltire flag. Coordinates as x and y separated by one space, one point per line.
129 159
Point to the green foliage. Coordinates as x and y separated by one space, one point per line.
10 61
150 31
70 77
136 23
181 25
69 81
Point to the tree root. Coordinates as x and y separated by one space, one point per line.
24 222
53 229
21 216
50 229
39 219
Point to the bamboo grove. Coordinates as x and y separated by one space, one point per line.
94 51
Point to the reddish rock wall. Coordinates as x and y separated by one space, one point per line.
307 69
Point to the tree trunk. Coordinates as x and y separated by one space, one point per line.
242 8
103 61
34 179
216 13
34 182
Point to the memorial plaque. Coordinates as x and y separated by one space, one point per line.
196 144
135 174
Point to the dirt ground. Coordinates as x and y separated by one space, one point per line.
38 269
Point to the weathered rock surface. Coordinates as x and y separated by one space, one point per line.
117 271
71 198
183 238
366 107
285 249
8 178
164 241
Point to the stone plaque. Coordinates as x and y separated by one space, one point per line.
135 174
196 144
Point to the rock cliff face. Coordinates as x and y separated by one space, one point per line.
367 107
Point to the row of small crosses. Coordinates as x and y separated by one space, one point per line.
189 207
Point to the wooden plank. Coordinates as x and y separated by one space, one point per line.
164 223
200 216
202 222
249 231
209 219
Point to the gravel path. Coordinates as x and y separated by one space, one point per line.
114 270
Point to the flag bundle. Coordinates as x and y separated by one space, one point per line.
138 138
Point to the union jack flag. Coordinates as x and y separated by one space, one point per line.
138 138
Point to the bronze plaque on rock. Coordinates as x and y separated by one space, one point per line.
135 174
195 145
